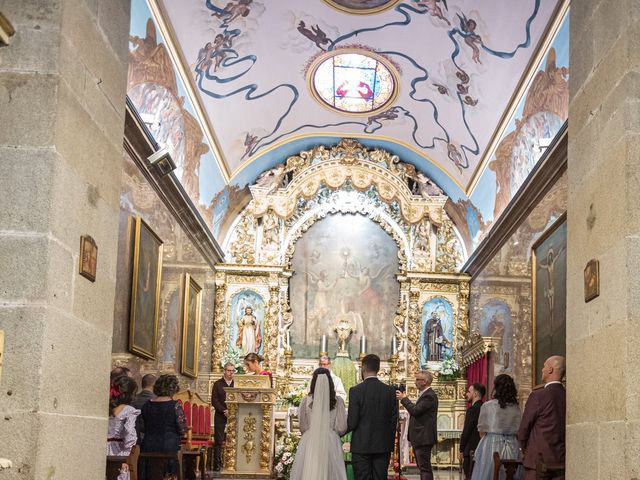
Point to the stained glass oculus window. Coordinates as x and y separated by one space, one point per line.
354 82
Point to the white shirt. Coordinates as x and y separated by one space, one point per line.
552 382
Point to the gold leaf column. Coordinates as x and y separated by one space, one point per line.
271 326
219 323
265 453
414 329
231 441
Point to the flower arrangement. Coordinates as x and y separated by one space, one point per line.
450 370
295 396
233 356
286 447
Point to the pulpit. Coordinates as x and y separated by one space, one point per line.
248 450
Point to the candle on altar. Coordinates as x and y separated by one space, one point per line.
363 344
394 345
323 344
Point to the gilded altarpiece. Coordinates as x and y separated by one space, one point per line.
409 257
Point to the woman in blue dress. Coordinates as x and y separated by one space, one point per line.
498 424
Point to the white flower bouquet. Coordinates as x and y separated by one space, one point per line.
286 447
449 370
233 356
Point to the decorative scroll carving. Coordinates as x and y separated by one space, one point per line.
242 249
265 453
449 254
348 160
219 328
230 443
414 330
271 325
249 396
249 429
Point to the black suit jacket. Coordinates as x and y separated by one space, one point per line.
470 436
372 417
423 427
219 396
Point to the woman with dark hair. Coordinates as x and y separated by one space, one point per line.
498 424
323 420
252 365
163 422
121 434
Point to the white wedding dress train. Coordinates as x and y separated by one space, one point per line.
319 455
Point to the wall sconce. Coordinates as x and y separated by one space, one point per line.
6 30
162 161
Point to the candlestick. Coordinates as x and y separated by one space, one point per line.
323 344
363 344
394 345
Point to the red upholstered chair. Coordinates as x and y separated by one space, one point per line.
198 415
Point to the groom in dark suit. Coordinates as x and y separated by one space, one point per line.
470 436
423 428
372 417
542 428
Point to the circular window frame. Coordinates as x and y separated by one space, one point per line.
361 11
365 53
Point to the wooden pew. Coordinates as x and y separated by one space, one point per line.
549 471
510 467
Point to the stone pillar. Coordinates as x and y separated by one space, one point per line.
62 104
603 336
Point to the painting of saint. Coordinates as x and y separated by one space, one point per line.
145 292
344 270
436 338
246 327
549 267
496 321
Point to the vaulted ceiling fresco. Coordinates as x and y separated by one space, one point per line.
441 83
458 63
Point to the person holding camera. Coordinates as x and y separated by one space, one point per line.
423 429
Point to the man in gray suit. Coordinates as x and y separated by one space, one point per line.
423 429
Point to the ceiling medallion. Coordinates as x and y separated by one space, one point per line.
361 7
353 81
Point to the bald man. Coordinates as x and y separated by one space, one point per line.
542 429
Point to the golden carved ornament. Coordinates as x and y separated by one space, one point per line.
349 160
445 392
230 443
265 454
448 254
249 429
249 396
219 327
414 332
242 248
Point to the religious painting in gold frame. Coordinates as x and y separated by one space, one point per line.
88 257
145 290
591 280
191 300
549 296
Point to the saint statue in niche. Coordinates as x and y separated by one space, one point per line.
434 339
249 338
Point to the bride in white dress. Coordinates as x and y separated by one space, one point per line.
323 420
